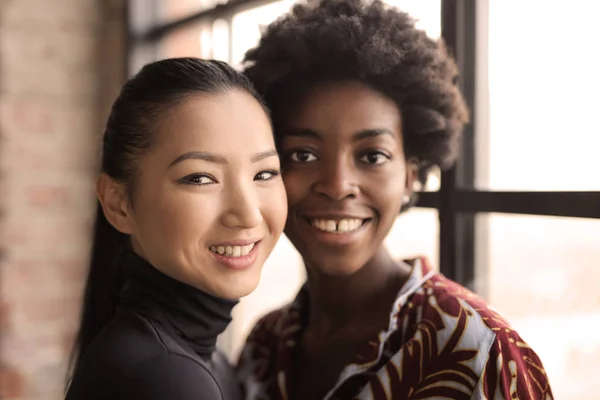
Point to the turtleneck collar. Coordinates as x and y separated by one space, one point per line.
196 315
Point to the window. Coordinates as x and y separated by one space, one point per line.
173 10
543 85
191 41
518 218
247 26
415 234
542 274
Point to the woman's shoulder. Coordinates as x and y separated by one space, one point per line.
270 330
172 376
131 339
132 358
159 377
452 307
275 329
465 323
273 322
446 297
281 323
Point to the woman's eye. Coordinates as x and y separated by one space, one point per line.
198 180
302 156
375 158
266 175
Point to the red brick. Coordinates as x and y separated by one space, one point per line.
27 115
60 65
42 115
49 196
69 341
44 276
68 78
49 236
49 160
4 316
12 383
51 15
42 309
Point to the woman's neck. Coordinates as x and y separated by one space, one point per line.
197 316
345 301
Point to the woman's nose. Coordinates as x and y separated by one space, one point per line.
336 181
242 208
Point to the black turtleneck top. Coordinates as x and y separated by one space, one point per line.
160 345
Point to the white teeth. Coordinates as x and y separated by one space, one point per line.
343 226
232 251
330 226
247 249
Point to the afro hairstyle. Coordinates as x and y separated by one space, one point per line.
378 45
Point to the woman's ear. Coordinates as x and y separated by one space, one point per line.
113 199
412 173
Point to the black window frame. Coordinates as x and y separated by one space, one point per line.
458 201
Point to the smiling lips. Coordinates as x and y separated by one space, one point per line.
337 226
236 255
336 229
232 251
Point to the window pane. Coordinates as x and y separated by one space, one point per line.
169 10
543 85
415 233
195 40
246 26
542 274
204 39
220 41
426 12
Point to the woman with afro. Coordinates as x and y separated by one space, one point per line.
363 106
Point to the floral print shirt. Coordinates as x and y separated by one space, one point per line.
442 342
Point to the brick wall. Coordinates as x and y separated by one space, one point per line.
60 66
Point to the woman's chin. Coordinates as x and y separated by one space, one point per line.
339 270
235 289
335 266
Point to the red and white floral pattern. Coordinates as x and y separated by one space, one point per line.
442 342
